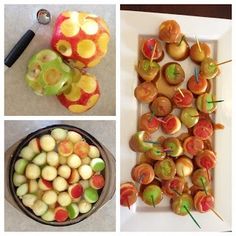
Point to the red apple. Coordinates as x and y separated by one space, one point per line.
81 38
83 95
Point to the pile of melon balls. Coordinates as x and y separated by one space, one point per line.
59 175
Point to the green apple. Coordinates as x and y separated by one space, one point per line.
47 74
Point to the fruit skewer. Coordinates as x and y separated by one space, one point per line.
211 208
178 202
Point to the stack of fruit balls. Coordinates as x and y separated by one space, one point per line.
81 40
169 164
59 175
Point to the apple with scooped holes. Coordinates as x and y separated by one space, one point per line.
83 93
47 74
81 38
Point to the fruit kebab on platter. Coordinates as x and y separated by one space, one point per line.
176 164
79 41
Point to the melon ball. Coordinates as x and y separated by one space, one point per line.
76 200
65 148
97 164
93 152
97 181
49 197
27 153
40 159
74 161
84 206
62 160
29 200
84 183
39 193
34 145
22 190
49 173
53 206
18 179
73 136
39 208
86 160
52 158
73 211
85 171
20 166
64 199
91 195
61 214
44 184
59 184
49 215
59 134
75 191
74 177
64 171
47 143
33 186
32 171
81 149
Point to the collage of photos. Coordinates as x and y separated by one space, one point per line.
118 117
60 173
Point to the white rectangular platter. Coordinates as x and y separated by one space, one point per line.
217 34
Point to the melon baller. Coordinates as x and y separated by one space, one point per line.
43 18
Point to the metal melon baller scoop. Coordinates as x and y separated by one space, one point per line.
44 18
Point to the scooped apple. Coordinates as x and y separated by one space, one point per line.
47 74
83 93
81 38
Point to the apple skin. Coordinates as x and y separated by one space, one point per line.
47 74
83 93
81 38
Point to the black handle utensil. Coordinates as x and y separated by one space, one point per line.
43 17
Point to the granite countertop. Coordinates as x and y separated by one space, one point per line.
19 99
104 219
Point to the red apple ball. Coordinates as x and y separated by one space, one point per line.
97 181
